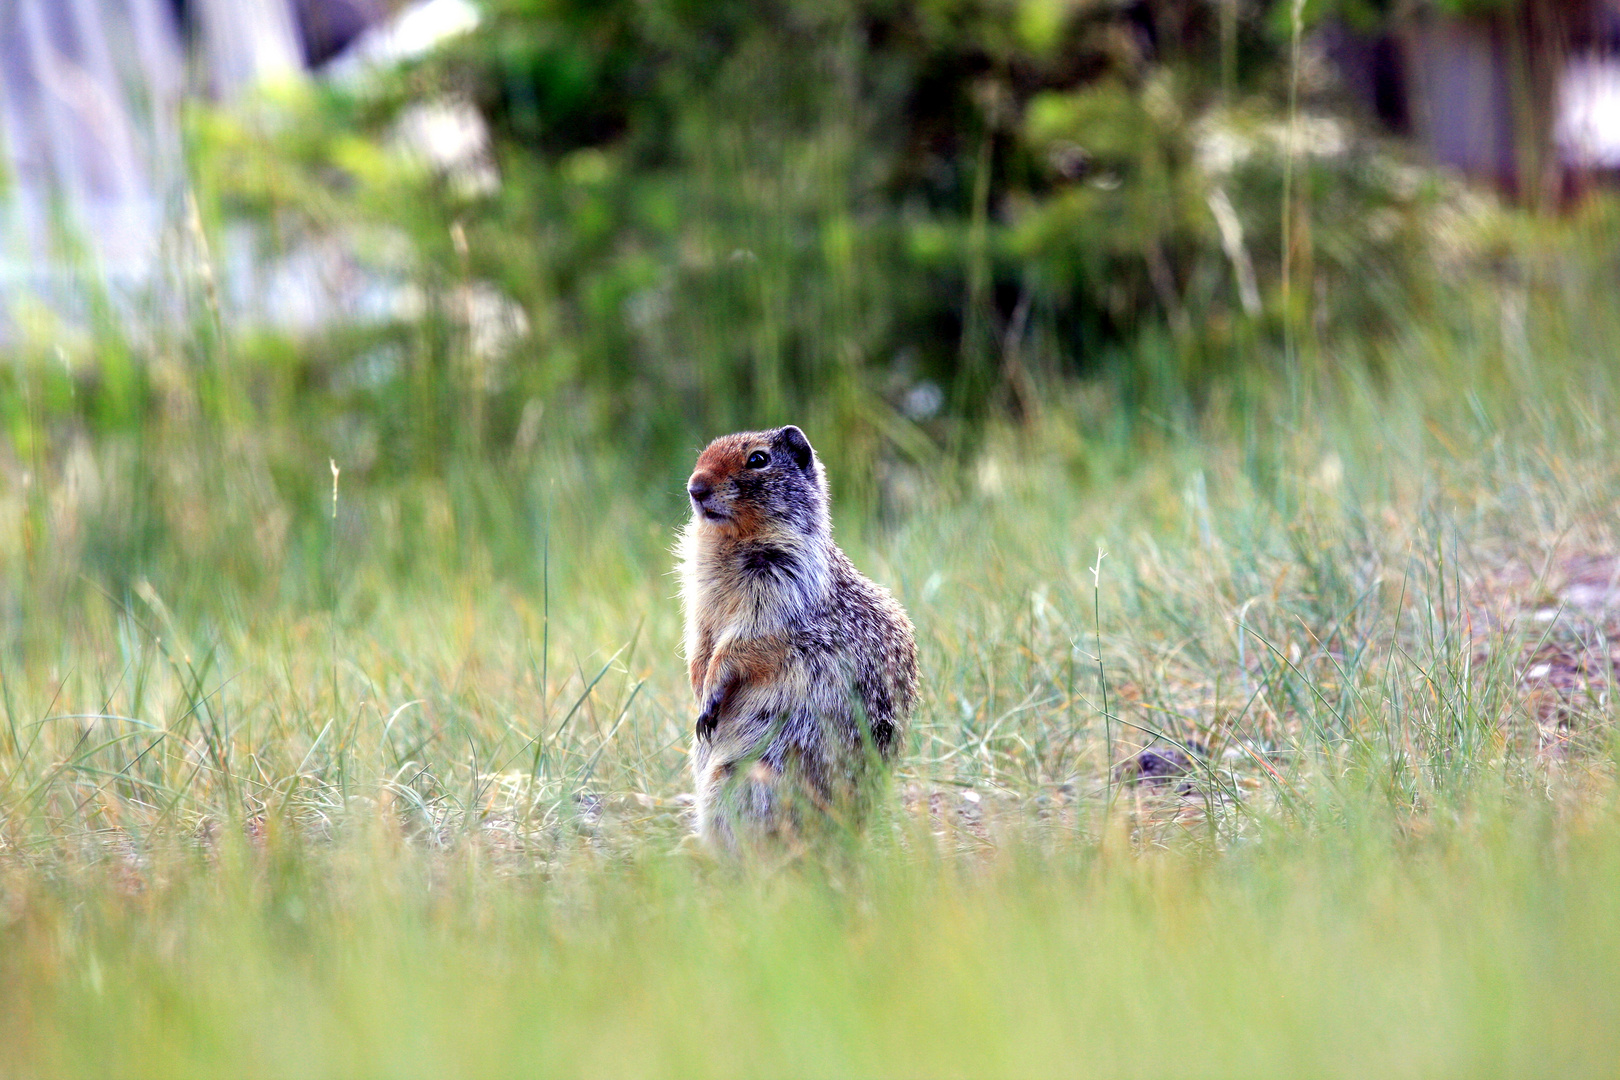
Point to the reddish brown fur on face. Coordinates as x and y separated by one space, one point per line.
721 460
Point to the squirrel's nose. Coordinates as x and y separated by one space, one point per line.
699 490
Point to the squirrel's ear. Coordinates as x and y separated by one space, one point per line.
793 441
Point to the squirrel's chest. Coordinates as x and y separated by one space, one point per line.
731 609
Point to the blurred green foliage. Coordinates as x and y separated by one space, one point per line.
341 713
894 223
884 219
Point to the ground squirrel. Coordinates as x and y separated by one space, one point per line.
803 670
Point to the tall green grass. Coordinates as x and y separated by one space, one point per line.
381 772
1485 950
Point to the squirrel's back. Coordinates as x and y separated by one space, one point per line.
804 671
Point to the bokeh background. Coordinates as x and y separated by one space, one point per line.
404 236
1228 389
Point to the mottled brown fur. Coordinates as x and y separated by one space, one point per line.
804 672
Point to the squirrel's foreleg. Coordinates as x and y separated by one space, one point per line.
728 669
717 692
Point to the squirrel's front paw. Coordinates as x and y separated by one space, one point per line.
705 723
713 702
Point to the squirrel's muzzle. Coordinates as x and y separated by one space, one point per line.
709 508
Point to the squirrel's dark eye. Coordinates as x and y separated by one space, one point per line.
758 459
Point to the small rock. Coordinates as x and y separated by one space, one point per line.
1154 765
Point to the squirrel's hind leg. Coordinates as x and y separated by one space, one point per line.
740 805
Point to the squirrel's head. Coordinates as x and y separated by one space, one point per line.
765 485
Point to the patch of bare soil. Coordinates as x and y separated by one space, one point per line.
1558 626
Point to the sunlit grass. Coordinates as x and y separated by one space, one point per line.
1485 948
388 780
